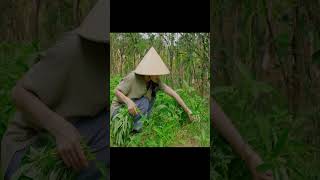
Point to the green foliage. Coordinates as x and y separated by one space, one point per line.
282 42
14 61
262 117
43 162
103 170
316 57
121 126
167 125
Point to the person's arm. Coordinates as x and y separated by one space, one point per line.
131 105
176 96
66 135
223 124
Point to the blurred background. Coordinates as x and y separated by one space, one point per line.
40 20
28 27
266 76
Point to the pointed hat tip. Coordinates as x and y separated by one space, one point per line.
152 49
152 64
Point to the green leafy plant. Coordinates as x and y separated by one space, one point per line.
120 126
43 162
262 117
15 59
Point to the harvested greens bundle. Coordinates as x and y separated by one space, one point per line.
42 161
121 125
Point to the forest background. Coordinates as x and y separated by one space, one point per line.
266 77
27 28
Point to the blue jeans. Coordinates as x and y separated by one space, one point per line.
144 105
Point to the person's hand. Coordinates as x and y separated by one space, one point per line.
68 146
190 116
132 108
253 160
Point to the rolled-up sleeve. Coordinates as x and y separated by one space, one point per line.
126 83
46 79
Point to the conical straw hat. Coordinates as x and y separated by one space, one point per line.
96 26
152 64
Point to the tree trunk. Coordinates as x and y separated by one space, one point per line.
76 8
36 20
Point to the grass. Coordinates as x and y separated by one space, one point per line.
43 162
14 61
168 124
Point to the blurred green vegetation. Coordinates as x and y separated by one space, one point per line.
265 61
42 161
26 29
262 116
15 59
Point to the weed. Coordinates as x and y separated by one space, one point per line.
42 161
15 59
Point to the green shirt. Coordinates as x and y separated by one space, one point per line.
133 86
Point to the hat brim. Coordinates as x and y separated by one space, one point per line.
151 74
